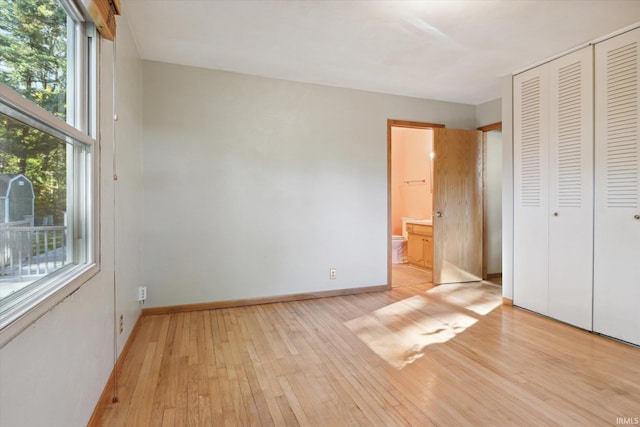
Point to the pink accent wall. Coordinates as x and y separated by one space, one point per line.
410 161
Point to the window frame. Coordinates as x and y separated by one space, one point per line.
81 127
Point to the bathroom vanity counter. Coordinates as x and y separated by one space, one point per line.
420 243
419 221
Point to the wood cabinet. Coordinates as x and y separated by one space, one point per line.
420 245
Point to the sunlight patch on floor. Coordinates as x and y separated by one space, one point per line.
400 332
481 298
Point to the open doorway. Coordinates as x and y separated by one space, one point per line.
410 147
443 237
492 189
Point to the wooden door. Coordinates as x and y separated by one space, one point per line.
616 290
457 206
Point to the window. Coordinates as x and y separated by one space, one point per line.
47 156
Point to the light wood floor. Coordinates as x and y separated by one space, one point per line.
416 355
405 274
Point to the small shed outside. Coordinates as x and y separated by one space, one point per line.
16 198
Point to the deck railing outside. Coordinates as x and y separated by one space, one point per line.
26 250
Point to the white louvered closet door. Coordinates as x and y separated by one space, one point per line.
617 188
531 218
571 188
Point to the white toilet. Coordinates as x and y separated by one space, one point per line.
399 245
398 250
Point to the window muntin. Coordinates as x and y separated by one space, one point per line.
44 143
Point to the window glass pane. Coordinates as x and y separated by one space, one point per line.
36 177
33 52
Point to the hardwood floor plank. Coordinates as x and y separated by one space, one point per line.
287 413
150 373
413 356
294 404
165 387
253 371
177 371
169 417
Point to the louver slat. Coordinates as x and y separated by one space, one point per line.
570 136
622 127
530 137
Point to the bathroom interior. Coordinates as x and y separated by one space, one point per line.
411 205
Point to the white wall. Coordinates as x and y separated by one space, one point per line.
129 196
53 373
257 187
489 112
493 202
507 187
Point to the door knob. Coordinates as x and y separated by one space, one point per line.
438 214
555 214
636 216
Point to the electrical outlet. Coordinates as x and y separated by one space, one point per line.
142 293
121 323
332 274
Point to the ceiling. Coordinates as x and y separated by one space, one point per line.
446 50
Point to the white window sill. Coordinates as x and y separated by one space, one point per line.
43 299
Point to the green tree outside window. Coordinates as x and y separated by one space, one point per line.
33 62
